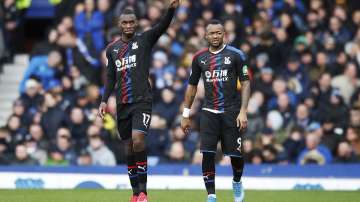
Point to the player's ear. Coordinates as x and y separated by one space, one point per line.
136 22
206 36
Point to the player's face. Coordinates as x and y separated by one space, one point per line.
215 35
128 24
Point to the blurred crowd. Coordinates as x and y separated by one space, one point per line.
304 58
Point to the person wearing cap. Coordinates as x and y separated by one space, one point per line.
31 98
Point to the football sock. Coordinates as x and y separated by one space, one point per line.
208 170
141 164
238 167
133 175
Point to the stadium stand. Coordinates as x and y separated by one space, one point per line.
304 56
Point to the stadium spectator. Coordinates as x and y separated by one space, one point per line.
177 153
167 107
12 21
158 136
256 122
84 158
36 133
64 145
347 82
89 26
345 154
314 153
35 152
56 158
78 125
32 98
52 116
43 68
353 137
294 144
100 154
22 158
6 148
104 7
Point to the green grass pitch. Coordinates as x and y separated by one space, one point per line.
173 196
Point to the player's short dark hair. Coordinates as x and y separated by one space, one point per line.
128 11
214 22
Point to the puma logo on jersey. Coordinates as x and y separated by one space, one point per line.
116 50
203 62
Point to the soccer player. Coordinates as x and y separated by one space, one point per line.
128 67
223 116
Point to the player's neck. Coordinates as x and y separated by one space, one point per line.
216 50
126 38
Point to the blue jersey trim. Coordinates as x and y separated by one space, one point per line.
238 51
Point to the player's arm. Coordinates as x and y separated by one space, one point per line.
109 83
243 74
190 95
154 34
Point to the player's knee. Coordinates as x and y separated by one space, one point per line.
138 144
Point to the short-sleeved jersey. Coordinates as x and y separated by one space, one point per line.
220 73
129 63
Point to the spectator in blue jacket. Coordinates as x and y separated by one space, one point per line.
314 153
43 68
89 25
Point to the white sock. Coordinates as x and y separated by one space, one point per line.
212 195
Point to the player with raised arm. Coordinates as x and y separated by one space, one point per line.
128 69
224 115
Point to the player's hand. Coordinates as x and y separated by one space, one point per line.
241 120
185 125
102 109
174 3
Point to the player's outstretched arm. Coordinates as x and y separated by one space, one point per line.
241 120
109 84
155 33
189 99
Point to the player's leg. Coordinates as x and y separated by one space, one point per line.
209 137
237 164
232 146
124 128
140 125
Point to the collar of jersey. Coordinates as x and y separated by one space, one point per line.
132 38
218 51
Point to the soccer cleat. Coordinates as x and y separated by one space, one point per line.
211 199
134 198
142 197
239 193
